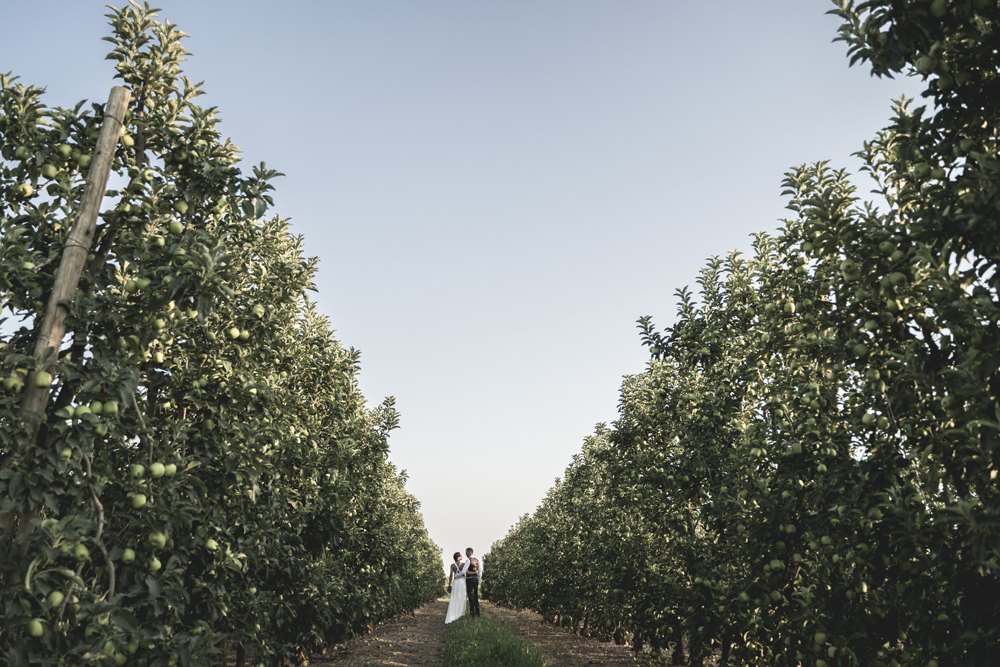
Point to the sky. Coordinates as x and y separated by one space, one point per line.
498 191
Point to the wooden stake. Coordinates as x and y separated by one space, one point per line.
75 252
74 255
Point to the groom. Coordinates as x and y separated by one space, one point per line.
473 572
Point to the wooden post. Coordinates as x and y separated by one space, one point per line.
75 252
74 255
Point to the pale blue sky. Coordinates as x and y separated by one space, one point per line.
498 190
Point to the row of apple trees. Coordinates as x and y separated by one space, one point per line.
806 473
205 469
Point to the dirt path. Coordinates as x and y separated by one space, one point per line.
561 648
412 641
405 642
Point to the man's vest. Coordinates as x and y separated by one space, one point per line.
473 570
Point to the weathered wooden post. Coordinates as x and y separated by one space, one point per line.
74 256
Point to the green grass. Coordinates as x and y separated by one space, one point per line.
486 642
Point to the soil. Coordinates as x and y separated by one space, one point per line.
407 641
416 640
561 648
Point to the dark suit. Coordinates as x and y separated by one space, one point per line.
472 586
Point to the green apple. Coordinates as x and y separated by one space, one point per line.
244 335
22 153
154 564
64 150
81 552
138 500
170 469
49 171
96 407
234 333
81 410
111 407
138 470
156 470
128 556
101 429
56 598
43 379
143 283
176 227
83 161
258 310
35 628
212 545
820 638
127 141
181 207
157 539
131 286
65 454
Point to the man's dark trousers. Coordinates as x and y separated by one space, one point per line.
472 590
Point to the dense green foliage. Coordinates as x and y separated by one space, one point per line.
486 642
206 466
806 473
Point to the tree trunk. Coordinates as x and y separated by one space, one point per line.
677 658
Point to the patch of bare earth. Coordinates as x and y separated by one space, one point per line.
405 642
561 648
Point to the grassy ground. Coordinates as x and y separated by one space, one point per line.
485 642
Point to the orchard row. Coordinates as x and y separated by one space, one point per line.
203 467
806 472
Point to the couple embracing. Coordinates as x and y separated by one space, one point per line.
463 581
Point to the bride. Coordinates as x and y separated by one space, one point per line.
456 605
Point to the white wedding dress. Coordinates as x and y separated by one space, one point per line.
456 605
